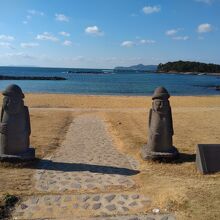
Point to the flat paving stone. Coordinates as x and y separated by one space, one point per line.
86 205
111 207
96 206
110 198
96 198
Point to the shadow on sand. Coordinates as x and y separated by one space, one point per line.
43 164
185 158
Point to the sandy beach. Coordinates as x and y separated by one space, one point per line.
178 187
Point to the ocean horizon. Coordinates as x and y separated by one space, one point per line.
108 82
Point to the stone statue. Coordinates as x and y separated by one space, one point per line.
160 132
15 126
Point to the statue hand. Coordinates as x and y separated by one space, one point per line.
3 128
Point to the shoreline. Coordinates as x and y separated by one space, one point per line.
189 73
112 95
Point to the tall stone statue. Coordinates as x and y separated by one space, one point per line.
15 126
160 131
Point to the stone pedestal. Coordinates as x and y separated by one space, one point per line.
147 154
29 154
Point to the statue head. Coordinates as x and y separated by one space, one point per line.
160 100
13 99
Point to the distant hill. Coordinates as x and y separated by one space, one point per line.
188 66
139 67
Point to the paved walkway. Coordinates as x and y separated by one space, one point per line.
86 178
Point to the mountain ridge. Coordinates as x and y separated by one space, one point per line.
138 67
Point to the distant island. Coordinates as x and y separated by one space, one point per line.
3 77
188 67
139 67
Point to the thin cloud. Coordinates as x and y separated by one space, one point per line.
61 17
151 9
6 45
6 37
28 17
147 41
65 34
46 36
67 43
31 13
94 30
205 1
127 43
137 42
184 38
171 32
29 45
204 28
20 55
35 12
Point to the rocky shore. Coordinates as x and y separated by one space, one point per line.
216 87
2 77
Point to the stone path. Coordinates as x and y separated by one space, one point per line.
86 178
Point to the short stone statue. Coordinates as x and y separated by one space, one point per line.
15 126
160 131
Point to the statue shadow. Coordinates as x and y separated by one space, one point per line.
43 164
182 158
185 158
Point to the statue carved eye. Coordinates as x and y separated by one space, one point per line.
6 100
14 100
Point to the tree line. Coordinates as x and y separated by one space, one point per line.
188 66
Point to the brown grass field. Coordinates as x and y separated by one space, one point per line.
177 187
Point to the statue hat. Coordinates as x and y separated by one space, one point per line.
160 93
14 91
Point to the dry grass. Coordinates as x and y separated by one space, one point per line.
48 131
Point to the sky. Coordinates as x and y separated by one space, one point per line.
108 33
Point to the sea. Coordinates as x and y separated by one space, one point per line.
109 82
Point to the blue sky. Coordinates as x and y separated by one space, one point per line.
108 33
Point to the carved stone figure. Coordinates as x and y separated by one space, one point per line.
160 132
15 126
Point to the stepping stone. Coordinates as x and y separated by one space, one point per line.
110 198
96 206
135 196
111 207
86 205
96 198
